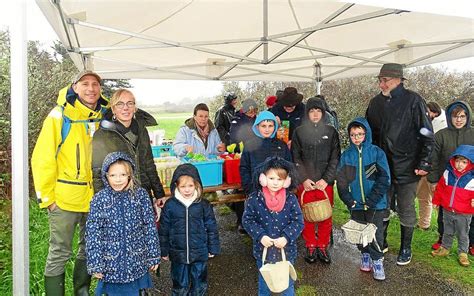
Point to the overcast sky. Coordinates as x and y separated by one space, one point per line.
176 90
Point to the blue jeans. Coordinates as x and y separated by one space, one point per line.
263 288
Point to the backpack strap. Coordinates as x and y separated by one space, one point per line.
65 128
67 122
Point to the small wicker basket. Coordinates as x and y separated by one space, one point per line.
316 211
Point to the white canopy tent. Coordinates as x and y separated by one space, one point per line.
276 40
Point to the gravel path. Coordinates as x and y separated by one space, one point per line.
234 272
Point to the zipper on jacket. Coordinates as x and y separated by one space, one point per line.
78 161
360 177
451 200
187 235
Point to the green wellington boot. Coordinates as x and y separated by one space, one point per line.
54 285
81 279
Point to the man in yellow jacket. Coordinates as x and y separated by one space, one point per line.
62 173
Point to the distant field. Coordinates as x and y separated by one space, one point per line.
170 122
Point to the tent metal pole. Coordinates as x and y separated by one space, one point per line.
265 31
331 52
435 54
305 35
363 17
361 63
318 78
19 138
169 42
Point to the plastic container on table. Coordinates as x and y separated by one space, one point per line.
162 151
231 169
210 171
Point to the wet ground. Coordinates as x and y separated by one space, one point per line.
234 271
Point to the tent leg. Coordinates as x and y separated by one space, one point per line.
19 138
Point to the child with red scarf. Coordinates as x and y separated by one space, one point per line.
455 193
272 216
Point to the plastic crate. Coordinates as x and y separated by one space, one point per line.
210 171
231 170
162 151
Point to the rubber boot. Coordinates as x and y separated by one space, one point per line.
385 232
54 285
404 256
81 279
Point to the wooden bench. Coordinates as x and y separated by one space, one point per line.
226 198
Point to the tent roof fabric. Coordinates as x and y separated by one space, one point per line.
277 40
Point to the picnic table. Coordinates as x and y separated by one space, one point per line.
226 198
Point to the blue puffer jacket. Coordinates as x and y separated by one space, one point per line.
363 174
258 220
188 234
121 237
258 149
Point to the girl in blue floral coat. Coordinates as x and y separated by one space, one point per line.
121 237
273 217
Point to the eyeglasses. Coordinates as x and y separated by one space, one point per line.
357 136
460 117
117 176
121 105
384 80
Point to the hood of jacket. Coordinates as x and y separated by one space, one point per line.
112 158
368 132
274 162
466 151
67 95
315 103
264 115
191 123
185 169
466 108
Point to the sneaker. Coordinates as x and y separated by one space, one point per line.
310 255
241 230
440 252
323 255
471 250
379 272
365 262
436 245
404 257
385 248
463 260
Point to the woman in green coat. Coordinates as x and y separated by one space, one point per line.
123 129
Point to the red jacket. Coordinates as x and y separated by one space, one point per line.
455 190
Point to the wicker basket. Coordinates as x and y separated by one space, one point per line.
316 211
359 233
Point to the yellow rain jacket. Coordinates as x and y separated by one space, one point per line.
64 174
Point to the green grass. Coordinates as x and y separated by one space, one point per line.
421 246
5 248
305 290
170 122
